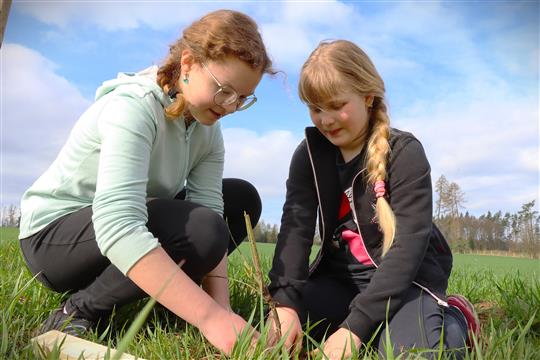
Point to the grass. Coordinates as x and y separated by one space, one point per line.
506 292
500 266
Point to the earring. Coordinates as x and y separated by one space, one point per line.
185 80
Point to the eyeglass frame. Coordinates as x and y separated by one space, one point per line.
242 107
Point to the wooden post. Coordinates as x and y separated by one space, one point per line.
72 348
4 11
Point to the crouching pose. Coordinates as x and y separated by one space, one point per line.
382 260
138 188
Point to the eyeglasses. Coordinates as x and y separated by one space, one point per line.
226 95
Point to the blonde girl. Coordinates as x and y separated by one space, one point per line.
381 258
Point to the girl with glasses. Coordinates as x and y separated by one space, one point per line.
135 204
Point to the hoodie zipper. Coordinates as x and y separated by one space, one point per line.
319 255
356 218
312 267
439 300
187 136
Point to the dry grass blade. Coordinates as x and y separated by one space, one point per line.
259 275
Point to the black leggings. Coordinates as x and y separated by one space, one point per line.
419 323
66 257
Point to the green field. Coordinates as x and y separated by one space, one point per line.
506 292
497 266
8 235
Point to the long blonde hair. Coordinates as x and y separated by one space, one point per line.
337 65
215 36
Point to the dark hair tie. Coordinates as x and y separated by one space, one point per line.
172 93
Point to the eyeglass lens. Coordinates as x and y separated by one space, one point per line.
227 96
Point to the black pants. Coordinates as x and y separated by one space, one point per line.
420 323
66 257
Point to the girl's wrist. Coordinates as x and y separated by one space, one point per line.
214 315
286 309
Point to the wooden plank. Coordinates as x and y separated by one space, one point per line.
73 347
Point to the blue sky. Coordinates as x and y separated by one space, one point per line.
462 76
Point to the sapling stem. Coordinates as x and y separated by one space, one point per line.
259 276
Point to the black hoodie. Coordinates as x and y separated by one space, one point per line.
418 254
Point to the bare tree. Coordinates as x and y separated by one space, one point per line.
448 208
11 216
529 226
455 198
441 187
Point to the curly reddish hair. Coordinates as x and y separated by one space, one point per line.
217 35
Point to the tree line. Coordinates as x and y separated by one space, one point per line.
265 232
509 232
505 232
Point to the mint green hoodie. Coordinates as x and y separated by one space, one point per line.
121 152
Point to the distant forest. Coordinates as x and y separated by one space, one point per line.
517 233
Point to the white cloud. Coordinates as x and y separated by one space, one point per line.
500 197
261 159
328 13
528 158
478 125
448 75
113 16
480 135
289 54
38 110
489 147
291 30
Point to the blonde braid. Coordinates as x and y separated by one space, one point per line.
378 150
167 77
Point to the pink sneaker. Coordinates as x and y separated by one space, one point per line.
467 309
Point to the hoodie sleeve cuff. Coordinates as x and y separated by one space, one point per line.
359 324
288 297
127 251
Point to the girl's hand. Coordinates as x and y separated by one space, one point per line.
289 324
338 345
159 276
223 329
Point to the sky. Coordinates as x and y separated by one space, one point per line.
462 76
